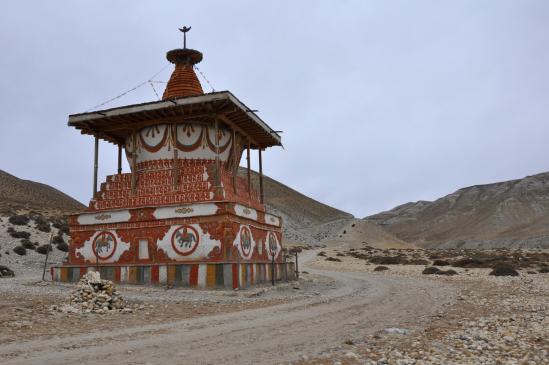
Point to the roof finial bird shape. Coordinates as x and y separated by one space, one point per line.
184 30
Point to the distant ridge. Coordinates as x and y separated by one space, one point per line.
512 213
16 194
305 219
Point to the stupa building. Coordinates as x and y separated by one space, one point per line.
182 215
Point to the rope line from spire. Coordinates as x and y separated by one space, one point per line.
130 90
204 77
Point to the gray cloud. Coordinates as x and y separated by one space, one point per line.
381 102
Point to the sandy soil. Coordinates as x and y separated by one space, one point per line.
256 326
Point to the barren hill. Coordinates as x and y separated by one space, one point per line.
17 194
305 220
359 232
512 213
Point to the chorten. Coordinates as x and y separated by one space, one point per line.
182 215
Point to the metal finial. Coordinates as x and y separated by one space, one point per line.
184 30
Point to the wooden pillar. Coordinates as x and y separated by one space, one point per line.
235 161
175 163
296 266
175 171
217 167
134 160
248 167
95 165
119 159
261 196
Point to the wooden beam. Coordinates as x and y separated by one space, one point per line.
227 121
114 126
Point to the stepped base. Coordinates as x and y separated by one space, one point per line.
227 275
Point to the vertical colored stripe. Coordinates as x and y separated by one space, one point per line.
64 274
185 275
228 276
75 274
202 272
252 266
124 274
242 275
219 275
178 274
162 275
193 275
107 273
171 275
210 275
154 274
117 274
235 275
146 275
132 275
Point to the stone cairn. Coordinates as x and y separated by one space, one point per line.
94 295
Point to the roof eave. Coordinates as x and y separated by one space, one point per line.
85 118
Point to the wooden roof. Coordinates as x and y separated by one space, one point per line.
114 125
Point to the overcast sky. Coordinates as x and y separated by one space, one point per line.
381 102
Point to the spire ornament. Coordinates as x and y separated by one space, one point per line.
184 30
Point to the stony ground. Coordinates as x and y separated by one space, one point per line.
494 320
261 325
32 261
27 308
342 311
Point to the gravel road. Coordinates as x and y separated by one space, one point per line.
360 304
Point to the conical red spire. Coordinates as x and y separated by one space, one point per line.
183 81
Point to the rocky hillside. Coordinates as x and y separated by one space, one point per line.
358 232
17 194
507 214
305 220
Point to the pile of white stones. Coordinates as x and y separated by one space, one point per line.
94 295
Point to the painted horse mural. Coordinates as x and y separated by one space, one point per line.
185 239
245 241
103 243
273 244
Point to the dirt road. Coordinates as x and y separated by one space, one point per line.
360 304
